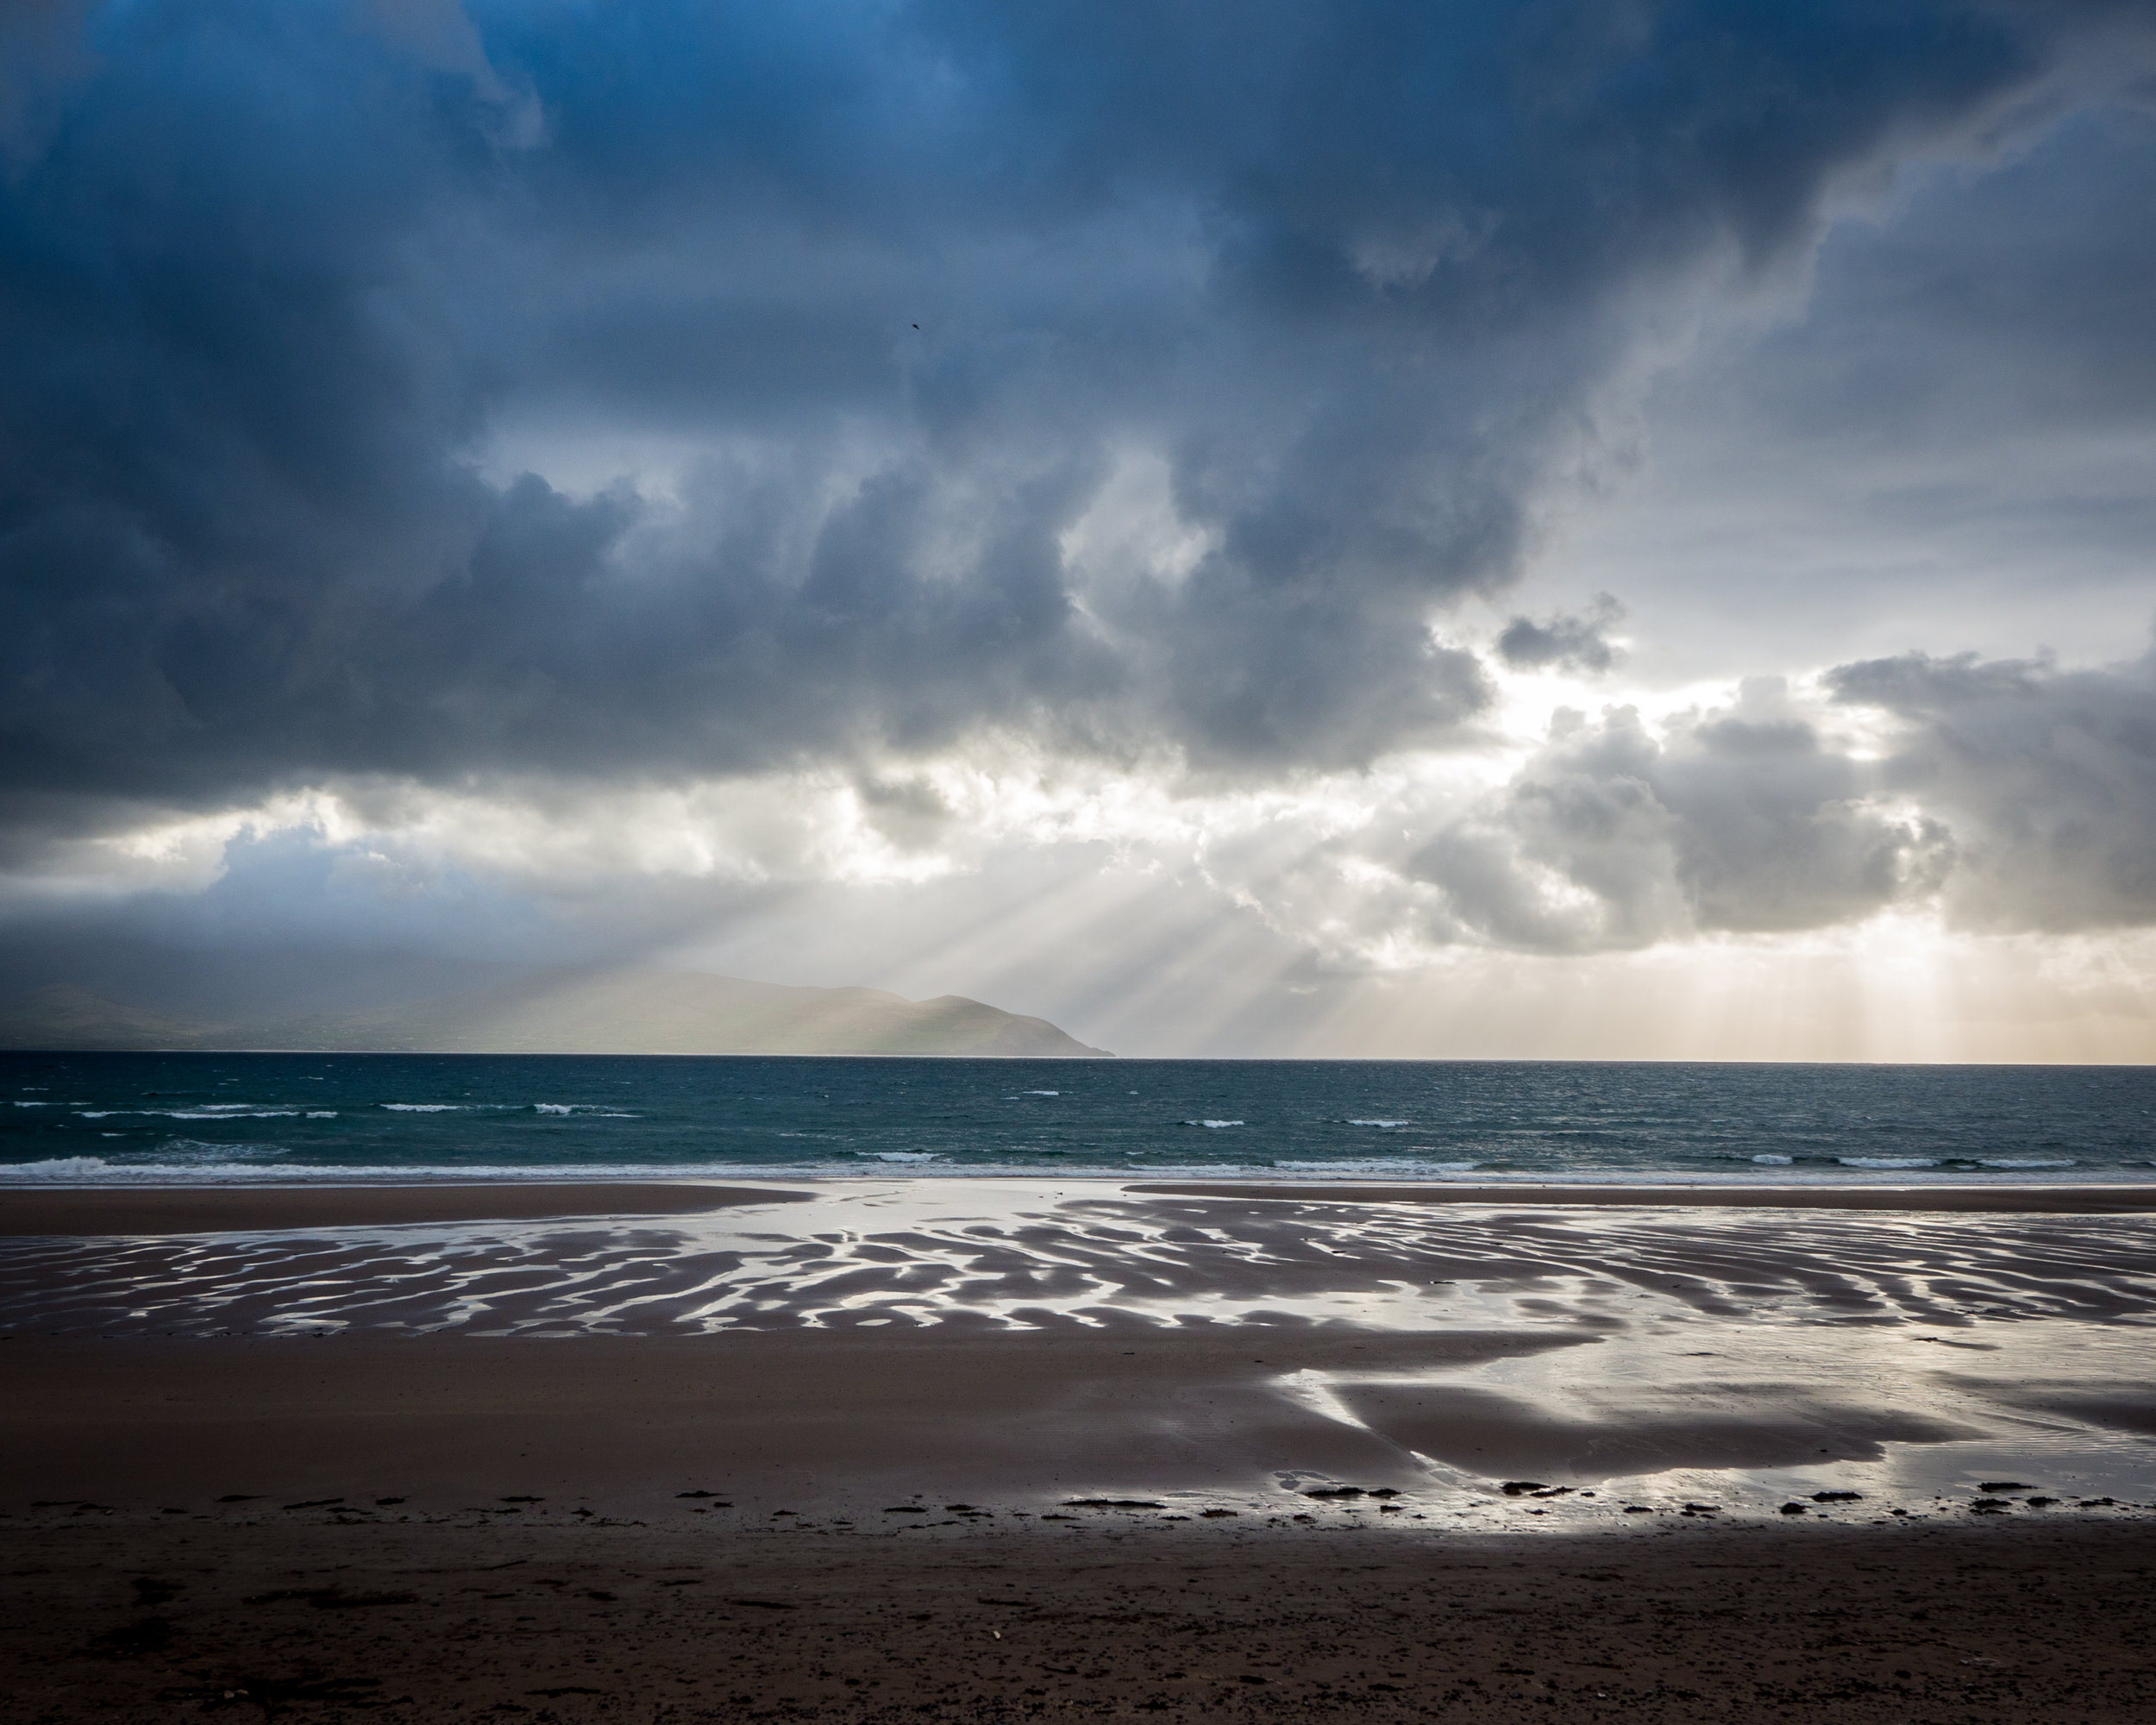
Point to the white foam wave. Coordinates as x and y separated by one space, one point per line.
1387 1164
2028 1162
1774 1161
241 1112
900 1155
1381 1123
321 1114
1887 1161
1215 1124
37 1105
553 1108
422 1107
1040 1093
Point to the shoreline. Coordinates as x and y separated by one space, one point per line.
177 1209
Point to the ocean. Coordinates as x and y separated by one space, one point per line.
115 1119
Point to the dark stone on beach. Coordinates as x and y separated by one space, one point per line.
1792 1508
1638 1509
386 1502
1515 1488
909 1509
2003 1485
1111 1504
677 1494
239 1497
531 1500
315 1503
1993 1505
767 1605
2041 1502
1837 1498
1336 1492
1217 1515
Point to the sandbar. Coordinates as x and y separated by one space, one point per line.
216 1209
2062 1199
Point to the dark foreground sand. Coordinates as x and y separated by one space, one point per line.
207 1209
1110 1616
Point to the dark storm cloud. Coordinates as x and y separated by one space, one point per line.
1983 307
914 280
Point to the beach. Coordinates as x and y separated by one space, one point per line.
990 1449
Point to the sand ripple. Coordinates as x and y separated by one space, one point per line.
1023 1257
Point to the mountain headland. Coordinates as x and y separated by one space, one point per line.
564 1011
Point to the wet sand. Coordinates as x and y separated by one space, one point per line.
212 1209
982 1451
2062 1199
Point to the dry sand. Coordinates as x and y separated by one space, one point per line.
1111 1615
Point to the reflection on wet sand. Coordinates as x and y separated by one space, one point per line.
1765 1353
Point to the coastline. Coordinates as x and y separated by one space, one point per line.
90 1210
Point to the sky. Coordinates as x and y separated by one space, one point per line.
1529 529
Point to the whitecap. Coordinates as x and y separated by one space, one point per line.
553 1108
1886 1162
1774 1161
37 1105
2028 1162
900 1155
321 1114
1216 1124
1381 1123
1042 1093
422 1107
1389 1164
62 1168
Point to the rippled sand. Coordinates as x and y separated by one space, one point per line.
1274 1342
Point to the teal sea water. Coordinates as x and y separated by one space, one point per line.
99 1118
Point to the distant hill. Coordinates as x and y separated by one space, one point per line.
570 1011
